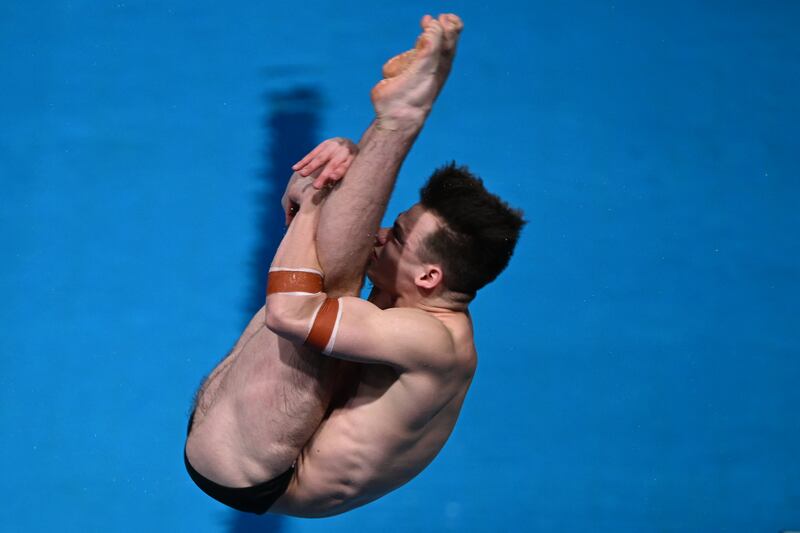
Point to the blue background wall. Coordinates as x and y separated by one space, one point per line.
638 361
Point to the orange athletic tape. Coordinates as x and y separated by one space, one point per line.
293 281
324 322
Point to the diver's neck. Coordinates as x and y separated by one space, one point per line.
381 299
436 304
431 304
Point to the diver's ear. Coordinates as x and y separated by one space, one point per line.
430 277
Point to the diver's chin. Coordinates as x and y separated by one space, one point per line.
374 279
371 278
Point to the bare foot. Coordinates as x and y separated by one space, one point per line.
396 65
412 83
452 25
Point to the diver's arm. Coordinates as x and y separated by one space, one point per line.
406 339
359 331
297 248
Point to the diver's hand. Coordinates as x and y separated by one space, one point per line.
333 156
300 192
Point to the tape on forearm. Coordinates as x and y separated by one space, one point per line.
325 326
294 281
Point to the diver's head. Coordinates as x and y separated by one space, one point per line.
457 239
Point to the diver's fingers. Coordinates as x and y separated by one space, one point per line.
311 155
322 158
308 157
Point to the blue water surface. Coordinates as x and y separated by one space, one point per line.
638 362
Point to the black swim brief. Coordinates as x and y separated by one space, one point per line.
256 499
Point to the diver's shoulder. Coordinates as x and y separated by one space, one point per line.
429 340
458 340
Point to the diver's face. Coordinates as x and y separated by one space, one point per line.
395 260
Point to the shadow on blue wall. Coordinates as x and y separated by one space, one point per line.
291 128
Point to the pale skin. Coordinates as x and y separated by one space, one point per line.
420 359
262 408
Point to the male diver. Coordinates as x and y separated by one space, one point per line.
328 401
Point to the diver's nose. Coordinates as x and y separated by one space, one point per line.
382 236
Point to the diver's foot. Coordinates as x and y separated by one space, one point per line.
406 95
396 65
452 25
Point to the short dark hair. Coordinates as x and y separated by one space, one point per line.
479 230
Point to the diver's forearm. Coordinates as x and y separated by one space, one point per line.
298 248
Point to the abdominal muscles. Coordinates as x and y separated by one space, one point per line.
380 439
